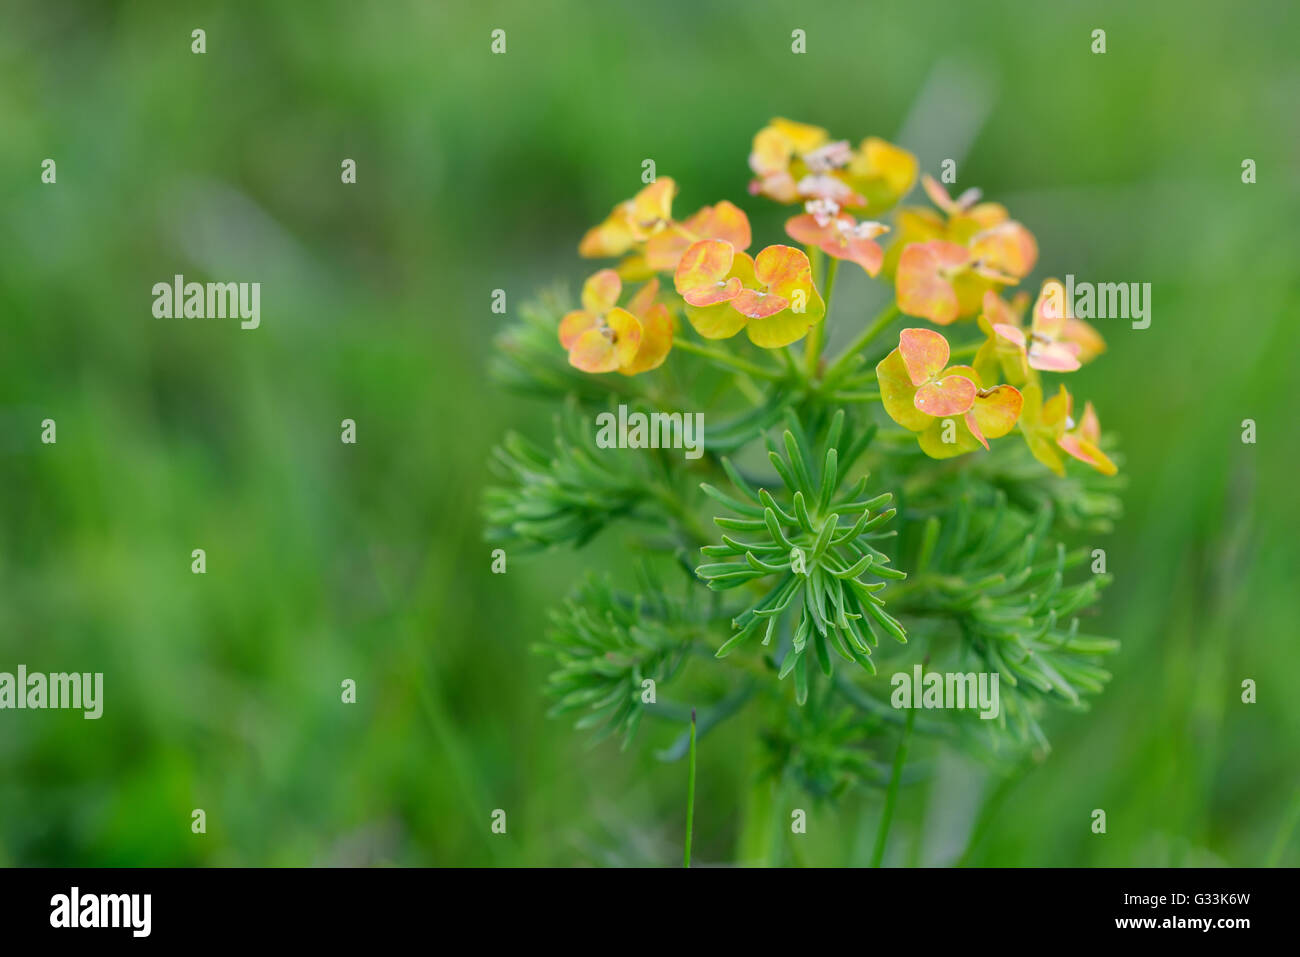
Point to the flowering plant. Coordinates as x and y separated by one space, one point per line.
851 511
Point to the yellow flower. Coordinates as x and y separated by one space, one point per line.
631 222
603 337
1048 430
771 296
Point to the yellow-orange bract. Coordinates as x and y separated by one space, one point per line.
1047 428
602 337
1000 250
925 284
724 221
793 162
923 394
839 235
772 296
632 221
881 172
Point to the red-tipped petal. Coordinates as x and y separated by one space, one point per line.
925 353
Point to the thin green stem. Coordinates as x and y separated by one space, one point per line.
855 397
886 316
832 268
759 833
726 359
891 796
812 347
985 819
812 350
787 357
690 794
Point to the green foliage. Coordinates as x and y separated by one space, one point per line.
606 645
165 453
1082 501
798 573
993 570
526 361
825 748
817 560
565 497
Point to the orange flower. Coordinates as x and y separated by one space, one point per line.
838 234
1047 427
922 393
724 221
1057 341
925 285
882 172
603 337
1083 441
631 222
1000 250
771 296
795 162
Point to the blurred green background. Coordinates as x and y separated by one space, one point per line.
478 172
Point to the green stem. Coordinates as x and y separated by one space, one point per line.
690 794
757 839
855 397
891 796
726 359
886 316
812 347
832 268
985 819
788 359
962 352
812 350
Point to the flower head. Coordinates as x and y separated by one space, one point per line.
771 296
920 391
603 337
1049 429
999 251
838 234
1057 342
882 172
998 358
926 282
964 216
796 162
1083 441
632 221
724 221
777 158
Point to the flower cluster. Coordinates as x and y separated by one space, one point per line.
948 262
604 337
771 296
943 262
795 162
921 392
841 554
